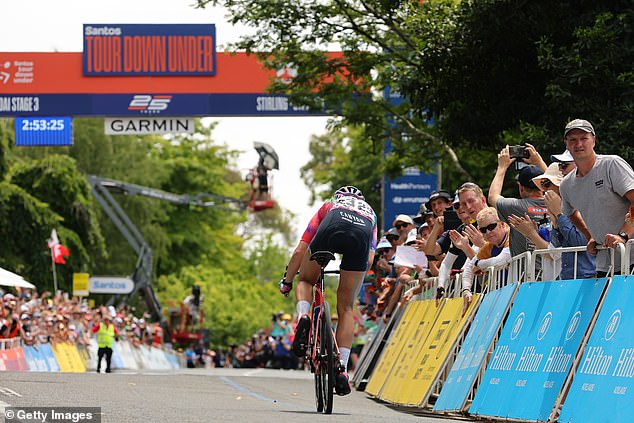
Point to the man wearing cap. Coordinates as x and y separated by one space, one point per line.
439 201
602 189
403 224
565 162
531 201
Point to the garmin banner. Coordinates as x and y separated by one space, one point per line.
536 349
473 352
603 389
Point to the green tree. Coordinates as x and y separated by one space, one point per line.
475 74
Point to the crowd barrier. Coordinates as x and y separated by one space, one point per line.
530 348
77 358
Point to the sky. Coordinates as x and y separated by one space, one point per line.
56 25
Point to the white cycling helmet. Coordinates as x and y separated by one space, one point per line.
350 190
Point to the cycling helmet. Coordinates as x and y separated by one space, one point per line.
349 190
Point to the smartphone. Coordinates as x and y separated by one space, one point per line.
451 220
518 152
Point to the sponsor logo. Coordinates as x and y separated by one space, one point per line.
598 184
150 104
543 328
573 326
517 326
613 325
287 74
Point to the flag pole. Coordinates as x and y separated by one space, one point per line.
54 273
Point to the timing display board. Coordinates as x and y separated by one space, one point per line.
43 131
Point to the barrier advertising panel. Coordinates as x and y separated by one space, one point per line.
536 349
603 389
393 349
473 352
424 319
430 353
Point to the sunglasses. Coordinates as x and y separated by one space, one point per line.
401 225
546 183
488 228
563 165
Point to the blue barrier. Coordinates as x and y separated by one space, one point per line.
471 357
602 389
48 355
536 349
36 359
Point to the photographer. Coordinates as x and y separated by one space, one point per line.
531 201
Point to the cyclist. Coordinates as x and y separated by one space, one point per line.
344 224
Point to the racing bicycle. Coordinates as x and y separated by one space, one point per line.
322 353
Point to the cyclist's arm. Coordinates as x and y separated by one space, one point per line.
296 261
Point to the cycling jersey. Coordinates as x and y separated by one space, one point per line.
346 202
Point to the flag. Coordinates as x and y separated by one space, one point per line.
58 251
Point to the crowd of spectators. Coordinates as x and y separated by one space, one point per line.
46 318
582 199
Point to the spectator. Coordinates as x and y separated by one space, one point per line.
531 201
470 201
563 233
602 189
439 201
403 224
495 250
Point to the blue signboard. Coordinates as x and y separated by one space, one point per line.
43 131
536 349
474 348
602 389
405 194
150 105
149 49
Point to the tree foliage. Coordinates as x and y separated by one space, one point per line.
475 74
46 188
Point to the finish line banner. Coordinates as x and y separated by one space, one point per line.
603 388
536 349
474 349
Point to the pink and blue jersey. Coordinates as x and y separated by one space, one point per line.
346 202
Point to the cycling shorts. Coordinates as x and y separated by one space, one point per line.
348 233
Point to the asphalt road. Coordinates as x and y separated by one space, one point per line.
196 395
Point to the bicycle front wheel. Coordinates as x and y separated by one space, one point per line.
319 391
328 359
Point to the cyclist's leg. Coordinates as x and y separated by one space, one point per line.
308 275
309 272
349 282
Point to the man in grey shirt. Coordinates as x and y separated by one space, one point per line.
602 189
531 201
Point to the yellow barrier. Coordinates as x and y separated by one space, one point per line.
416 321
431 353
419 331
68 358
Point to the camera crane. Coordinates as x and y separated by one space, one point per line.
102 190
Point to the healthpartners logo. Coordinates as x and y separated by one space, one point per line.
52 414
150 104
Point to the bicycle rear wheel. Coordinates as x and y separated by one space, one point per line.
328 359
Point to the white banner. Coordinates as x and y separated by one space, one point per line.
144 126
